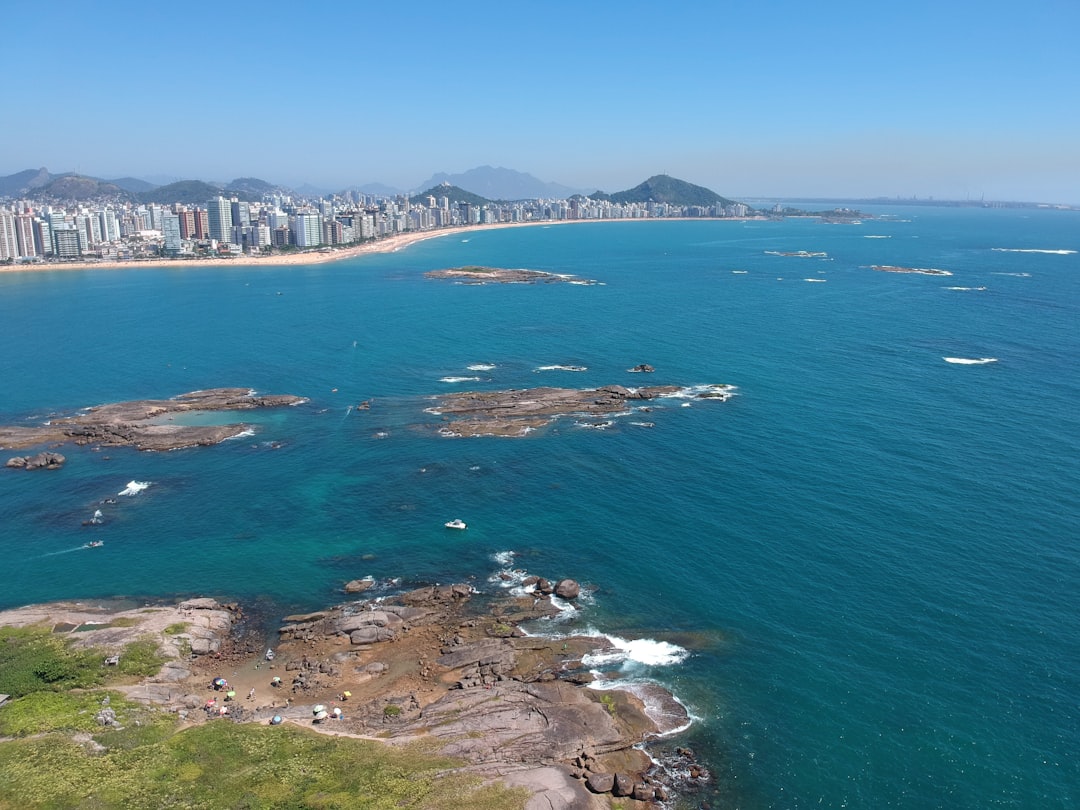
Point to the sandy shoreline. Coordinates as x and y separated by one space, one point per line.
389 244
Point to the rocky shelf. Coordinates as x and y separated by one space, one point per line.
443 663
475 274
516 412
138 423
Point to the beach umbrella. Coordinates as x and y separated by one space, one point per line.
337 712
275 720
346 695
275 681
230 694
219 682
318 708
320 716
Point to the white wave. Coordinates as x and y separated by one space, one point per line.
134 487
243 434
594 425
504 558
876 236
739 272
481 367
1034 250
561 368
458 379
1017 275
644 651
967 289
819 280
719 391
970 361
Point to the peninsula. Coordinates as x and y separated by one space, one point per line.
145 423
446 666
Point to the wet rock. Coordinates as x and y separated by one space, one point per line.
567 589
358 585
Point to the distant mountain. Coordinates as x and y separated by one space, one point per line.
378 189
15 185
665 189
251 189
78 187
308 190
502 184
455 193
133 184
188 192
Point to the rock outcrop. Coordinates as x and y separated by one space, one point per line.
143 424
42 461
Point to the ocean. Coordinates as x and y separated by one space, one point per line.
860 573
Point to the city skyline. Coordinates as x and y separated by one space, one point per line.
957 101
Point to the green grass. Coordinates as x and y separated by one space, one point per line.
176 628
226 765
35 660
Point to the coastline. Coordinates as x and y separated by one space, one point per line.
389 244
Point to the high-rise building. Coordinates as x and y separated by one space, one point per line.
24 232
219 216
66 242
187 224
170 228
307 229
241 212
202 224
9 242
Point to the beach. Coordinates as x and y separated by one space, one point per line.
389 244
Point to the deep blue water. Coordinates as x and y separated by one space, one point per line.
870 553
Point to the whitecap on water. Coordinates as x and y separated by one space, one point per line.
481 367
1034 250
561 368
134 488
458 379
970 361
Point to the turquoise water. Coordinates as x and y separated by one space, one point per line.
870 553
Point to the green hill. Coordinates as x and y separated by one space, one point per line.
455 193
77 187
665 189
188 192
250 189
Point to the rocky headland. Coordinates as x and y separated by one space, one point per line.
445 664
516 412
144 423
474 274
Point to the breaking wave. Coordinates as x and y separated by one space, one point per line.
134 488
561 368
1033 250
643 651
481 367
458 379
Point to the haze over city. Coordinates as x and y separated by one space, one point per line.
960 101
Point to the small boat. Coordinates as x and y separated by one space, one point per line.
456 523
94 544
269 654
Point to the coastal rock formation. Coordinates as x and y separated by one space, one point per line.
474 274
432 663
518 411
42 461
143 424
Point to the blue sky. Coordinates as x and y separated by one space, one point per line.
950 99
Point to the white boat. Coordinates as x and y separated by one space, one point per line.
456 523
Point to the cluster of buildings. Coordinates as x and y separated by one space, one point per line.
227 227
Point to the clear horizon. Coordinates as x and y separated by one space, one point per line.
961 101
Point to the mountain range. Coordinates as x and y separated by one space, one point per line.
477 186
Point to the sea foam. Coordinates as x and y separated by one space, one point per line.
134 488
1033 250
642 651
